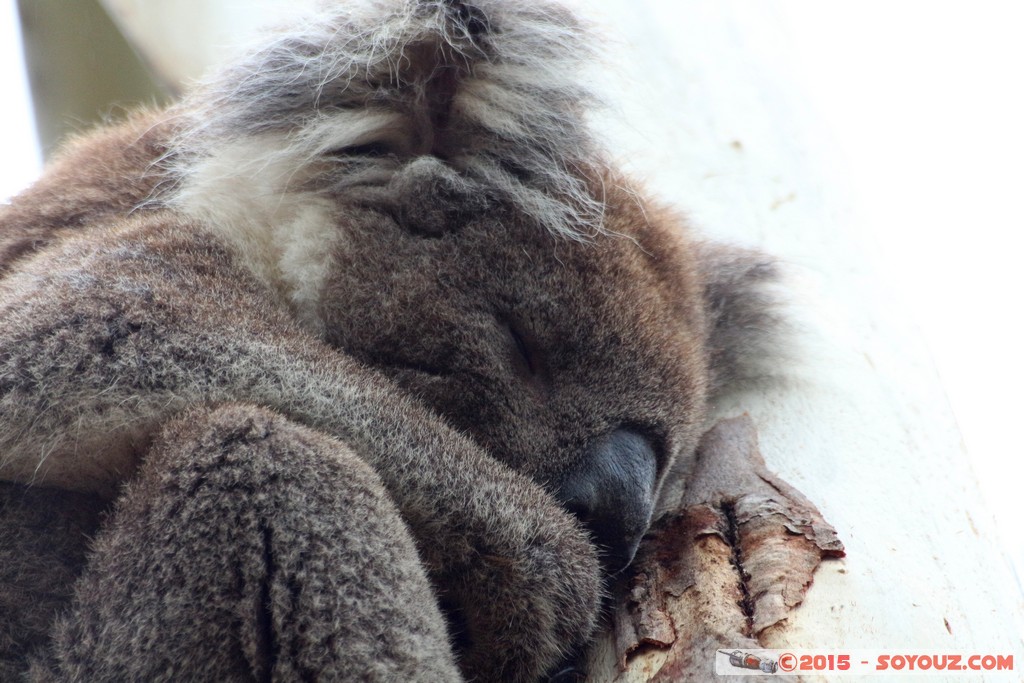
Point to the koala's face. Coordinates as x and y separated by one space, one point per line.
449 146
579 364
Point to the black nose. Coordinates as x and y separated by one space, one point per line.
612 493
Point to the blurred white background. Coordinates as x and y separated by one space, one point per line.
925 102
21 158
925 106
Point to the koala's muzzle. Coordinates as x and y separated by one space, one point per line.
612 493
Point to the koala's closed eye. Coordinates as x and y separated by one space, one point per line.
377 148
527 358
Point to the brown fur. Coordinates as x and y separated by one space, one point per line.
107 173
302 486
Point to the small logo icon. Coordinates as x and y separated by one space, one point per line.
745 660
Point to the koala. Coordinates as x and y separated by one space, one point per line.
361 362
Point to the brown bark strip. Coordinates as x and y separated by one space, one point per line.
734 560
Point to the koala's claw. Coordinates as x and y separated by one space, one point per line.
571 670
570 674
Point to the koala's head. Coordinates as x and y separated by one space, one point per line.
432 203
582 364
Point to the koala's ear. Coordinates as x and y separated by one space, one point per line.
742 302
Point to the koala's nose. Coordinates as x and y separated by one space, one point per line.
612 493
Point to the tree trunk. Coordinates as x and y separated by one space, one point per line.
708 109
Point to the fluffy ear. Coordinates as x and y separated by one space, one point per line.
743 309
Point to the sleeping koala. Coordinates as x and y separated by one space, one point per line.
359 363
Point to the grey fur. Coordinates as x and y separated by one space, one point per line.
490 87
748 328
267 582
44 536
326 405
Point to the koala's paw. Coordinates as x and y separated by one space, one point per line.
524 609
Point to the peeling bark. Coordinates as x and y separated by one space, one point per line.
731 564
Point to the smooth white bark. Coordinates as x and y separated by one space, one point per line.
712 115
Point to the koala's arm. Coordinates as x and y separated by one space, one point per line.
315 577
109 338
